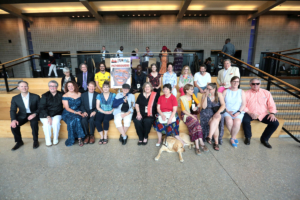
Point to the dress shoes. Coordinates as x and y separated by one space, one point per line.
18 145
266 144
36 144
87 139
125 141
121 138
247 141
92 139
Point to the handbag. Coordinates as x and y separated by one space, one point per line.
49 65
216 108
125 107
168 115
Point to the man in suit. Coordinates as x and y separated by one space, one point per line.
28 104
225 75
104 55
88 107
84 77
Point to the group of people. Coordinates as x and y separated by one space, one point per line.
83 109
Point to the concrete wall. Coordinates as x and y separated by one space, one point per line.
65 34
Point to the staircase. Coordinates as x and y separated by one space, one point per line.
12 83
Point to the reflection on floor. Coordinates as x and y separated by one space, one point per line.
114 171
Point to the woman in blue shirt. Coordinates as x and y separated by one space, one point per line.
171 78
105 110
123 109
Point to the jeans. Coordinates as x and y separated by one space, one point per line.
196 90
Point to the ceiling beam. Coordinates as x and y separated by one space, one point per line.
265 8
92 9
183 9
14 11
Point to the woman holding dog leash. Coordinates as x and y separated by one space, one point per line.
190 109
168 121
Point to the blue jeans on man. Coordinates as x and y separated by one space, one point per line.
196 90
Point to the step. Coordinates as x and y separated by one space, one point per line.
5 131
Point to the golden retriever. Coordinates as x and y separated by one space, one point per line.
174 145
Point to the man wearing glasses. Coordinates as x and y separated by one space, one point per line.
50 110
201 80
259 106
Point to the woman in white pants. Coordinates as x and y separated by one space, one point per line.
52 63
50 110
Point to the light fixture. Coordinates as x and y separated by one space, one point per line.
73 16
93 15
128 15
78 16
194 15
89 16
149 15
138 14
298 15
144 15
83 16
200 15
189 14
184 15
154 14
205 15
133 15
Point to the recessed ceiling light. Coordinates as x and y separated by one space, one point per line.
194 15
200 15
73 16
138 14
93 15
149 15
144 15
78 16
189 14
154 14
205 15
133 15
128 15
184 15
122 15
83 16
88 16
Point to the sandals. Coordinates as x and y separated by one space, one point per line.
208 140
80 142
105 140
198 152
216 147
101 141
204 148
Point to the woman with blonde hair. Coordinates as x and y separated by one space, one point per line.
186 77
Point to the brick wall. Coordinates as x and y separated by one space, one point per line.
65 34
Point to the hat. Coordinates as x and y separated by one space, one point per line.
126 86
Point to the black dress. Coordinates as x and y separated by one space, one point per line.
144 125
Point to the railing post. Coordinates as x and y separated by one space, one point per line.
5 78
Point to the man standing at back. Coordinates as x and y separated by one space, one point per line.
148 54
119 53
28 105
228 48
104 54
84 77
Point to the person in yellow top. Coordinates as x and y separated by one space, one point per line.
102 76
190 102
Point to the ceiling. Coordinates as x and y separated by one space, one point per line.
71 6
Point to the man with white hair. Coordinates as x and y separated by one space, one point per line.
52 64
259 106
27 104
225 75
50 110
84 77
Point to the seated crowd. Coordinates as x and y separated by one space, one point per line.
83 109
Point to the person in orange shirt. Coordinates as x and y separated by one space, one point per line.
259 106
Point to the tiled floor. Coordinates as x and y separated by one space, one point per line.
114 171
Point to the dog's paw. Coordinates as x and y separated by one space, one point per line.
181 160
156 158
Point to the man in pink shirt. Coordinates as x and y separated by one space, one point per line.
260 106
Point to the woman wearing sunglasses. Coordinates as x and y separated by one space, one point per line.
235 101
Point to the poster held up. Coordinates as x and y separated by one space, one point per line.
120 70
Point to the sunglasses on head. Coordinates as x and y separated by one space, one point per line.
255 83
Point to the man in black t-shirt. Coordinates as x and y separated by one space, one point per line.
138 80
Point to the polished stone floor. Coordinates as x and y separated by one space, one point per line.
114 171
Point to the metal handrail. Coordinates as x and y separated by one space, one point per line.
287 62
265 73
18 59
287 50
284 56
